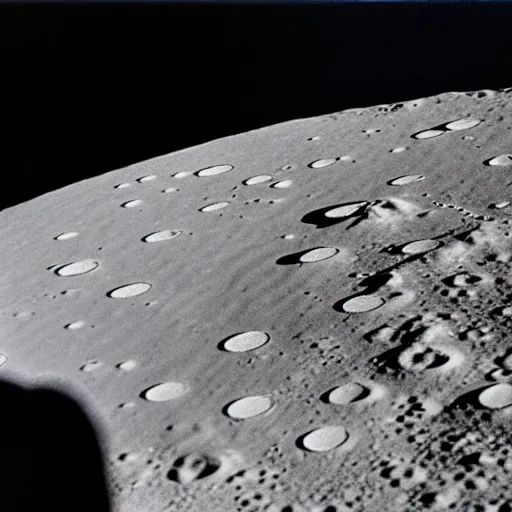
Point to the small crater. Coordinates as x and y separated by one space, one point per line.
427 134
318 254
181 174
497 396
499 206
127 457
308 256
126 405
323 439
348 393
248 407
345 210
462 124
77 268
67 236
127 366
132 204
256 180
419 357
145 179
420 246
406 180
215 170
129 290
161 236
324 162
214 207
500 161
75 325
362 304
192 467
331 215
90 366
461 280
245 341
283 184
164 392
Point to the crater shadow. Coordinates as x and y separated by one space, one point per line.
469 399
371 284
294 259
500 360
375 282
338 305
507 374
299 442
365 393
440 127
318 218
222 343
199 466
225 408
488 161
471 279
387 361
324 397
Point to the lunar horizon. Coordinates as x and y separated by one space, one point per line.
311 316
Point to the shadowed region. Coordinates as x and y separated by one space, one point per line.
323 439
499 161
365 300
493 396
345 394
193 466
308 256
324 217
450 126
247 407
51 456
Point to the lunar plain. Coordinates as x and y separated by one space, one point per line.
309 317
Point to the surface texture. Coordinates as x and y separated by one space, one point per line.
361 310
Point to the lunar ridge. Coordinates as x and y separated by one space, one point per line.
317 318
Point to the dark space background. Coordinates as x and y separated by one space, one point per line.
89 88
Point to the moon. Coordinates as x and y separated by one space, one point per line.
371 374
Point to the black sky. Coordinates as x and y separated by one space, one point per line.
88 88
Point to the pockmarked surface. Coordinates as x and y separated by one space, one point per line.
313 316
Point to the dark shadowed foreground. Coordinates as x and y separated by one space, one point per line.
50 456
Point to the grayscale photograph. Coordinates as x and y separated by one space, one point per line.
256 256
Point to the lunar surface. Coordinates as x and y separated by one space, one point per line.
309 317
